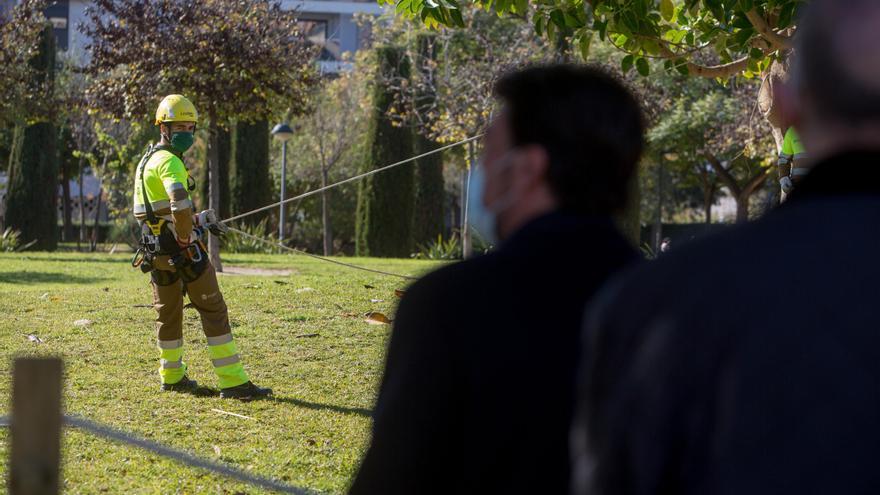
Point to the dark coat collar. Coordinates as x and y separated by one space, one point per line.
849 173
558 224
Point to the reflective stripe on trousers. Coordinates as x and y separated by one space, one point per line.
171 365
227 363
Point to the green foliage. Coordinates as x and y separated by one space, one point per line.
715 39
385 201
237 243
429 185
439 249
251 186
223 142
33 166
24 83
10 240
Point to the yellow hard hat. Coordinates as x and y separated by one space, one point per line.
176 108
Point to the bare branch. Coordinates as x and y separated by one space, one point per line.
780 42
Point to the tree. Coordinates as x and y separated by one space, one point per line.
460 83
742 36
429 185
236 60
331 138
33 162
24 90
709 137
385 200
252 187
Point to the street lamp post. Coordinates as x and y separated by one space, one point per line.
283 133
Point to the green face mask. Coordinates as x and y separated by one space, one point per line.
182 140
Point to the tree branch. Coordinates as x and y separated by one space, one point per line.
756 181
778 41
726 177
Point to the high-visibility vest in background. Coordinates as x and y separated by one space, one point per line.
793 154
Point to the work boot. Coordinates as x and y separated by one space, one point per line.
184 385
245 391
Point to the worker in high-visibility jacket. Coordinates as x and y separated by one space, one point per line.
793 165
173 252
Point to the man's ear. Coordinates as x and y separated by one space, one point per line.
535 163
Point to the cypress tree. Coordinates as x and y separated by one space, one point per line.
429 185
385 200
251 187
223 153
31 199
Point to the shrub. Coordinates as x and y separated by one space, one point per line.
449 249
238 243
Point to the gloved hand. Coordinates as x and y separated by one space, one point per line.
208 219
786 184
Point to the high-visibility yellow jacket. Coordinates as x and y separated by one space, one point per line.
165 180
792 158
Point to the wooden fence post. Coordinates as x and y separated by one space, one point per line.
34 461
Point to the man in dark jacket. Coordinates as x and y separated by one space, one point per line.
700 380
478 389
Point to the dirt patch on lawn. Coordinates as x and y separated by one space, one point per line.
261 272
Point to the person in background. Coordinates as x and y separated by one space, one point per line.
723 387
478 390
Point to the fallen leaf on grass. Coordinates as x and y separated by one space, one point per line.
376 318
399 292
304 289
82 323
33 338
367 286
106 289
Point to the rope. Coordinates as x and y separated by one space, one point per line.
350 179
181 456
310 255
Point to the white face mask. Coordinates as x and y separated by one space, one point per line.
484 219
480 219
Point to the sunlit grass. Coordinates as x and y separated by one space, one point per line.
302 334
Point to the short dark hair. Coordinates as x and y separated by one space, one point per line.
820 72
590 125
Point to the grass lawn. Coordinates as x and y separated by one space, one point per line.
303 334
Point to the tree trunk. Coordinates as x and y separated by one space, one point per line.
467 248
82 209
66 213
742 208
707 205
94 244
214 189
657 228
325 214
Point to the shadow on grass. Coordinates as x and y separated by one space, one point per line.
360 411
76 259
33 278
205 391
